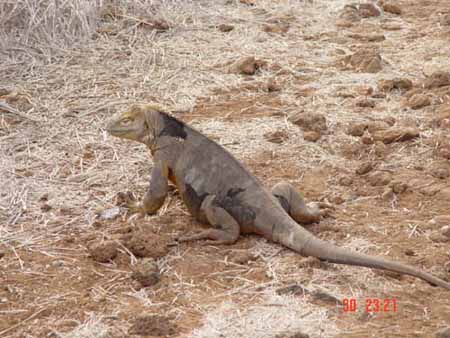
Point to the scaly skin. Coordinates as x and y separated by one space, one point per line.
218 190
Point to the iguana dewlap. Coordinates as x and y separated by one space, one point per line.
218 190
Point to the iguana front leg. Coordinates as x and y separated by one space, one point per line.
294 204
226 229
156 194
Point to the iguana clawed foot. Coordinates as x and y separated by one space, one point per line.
129 201
294 204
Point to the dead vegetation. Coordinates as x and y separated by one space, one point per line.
377 152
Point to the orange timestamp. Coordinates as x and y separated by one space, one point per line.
371 305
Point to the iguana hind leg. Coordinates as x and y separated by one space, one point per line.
294 204
226 229
156 194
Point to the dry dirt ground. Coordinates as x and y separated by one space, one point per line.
381 158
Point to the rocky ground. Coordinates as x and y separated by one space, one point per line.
348 101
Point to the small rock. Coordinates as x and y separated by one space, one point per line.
278 136
366 61
389 26
365 103
46 207
243 257
379 178
398 187
345 181
387 194
341 23
440 172
445 230
385 85
146 272
364 168
357 128
410 252
375 126
441 220
396 134
309 121
437 79
2 254
273 86
350 14
419 101
311 136
225 28
44 197
145 244
291 334
392 8
109 214
153 325
437 237
246 66
443 333
367 138
368 10
403 84
103 252
293 289
338 199
310 262
445 20
278 28
380 149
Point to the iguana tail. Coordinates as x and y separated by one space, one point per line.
305 243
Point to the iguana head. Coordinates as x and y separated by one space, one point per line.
139 123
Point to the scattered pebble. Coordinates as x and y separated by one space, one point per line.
290 334
368 10
379 178
410 252
445 230
367 138
145 244
225 28
445 19
441 220
103 252
278 28
2 254
246 66
392 8
146 272
242 257
364 168
398 187
309 121
278 136
419 101
311 136
396 134
443 333
437 79
152 325
345 181
357 128
366 61
365 103
109 214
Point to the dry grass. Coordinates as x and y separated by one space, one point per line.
72 64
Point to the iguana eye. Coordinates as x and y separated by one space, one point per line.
126 121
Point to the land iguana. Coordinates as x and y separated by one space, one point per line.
218 190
